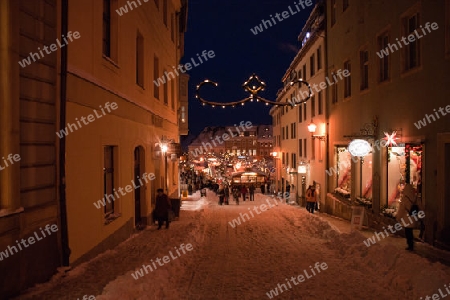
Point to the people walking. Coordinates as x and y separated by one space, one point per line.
227 194
408 204
263 188
244 192
252 192
236 194
310 199
221 193
162 207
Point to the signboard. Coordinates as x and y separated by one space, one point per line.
359 147
357 221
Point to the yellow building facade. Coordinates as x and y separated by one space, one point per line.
294 145
117 62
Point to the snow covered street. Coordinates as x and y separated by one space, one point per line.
268 254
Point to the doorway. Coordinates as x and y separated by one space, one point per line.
139 192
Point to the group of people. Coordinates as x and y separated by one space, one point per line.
237 191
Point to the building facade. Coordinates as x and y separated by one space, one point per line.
295 145
80 123
28 121
122 67
256 141
398 54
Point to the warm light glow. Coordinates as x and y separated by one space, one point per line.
164 148
312 127
359 148
301 169
274 154
390 139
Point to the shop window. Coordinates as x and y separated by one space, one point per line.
404 165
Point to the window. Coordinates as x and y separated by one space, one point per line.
166 92
107 28
304 72
334 92
447 27
300 148
364 69
139 60
304 147
172 94
282 158
155 76
109 35
312 67
287 132
333 12
319 58
304 111
412 50
157 4
300 113
383 42
313 106
320 103
287 158
348 80
294 160
300 74
293 131
165 12
344 5
283 135
109 153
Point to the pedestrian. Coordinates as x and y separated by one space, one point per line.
162 207
252 192
236 194
310 199
244 192
221 193
405 214
263 189
227 194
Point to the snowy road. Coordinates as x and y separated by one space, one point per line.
250 260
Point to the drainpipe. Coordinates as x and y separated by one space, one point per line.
62 142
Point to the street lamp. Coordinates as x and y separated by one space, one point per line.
312 129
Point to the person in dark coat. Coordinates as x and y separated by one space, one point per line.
221 193
162 207
252 192
263 188
227 194
243 192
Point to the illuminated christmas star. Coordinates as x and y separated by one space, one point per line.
390 139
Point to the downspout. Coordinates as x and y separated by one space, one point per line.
62 141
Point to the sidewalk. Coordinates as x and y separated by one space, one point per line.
422 249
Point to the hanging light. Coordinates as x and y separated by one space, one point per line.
312 127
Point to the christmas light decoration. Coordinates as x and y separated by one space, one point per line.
253 86
390 139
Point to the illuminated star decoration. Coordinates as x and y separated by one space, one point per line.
390 139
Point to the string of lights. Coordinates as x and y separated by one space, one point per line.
253 86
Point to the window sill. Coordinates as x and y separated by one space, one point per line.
109 59
111 217
412 71
6 213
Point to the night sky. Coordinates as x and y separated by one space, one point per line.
224 27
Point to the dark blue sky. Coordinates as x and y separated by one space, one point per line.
224 27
